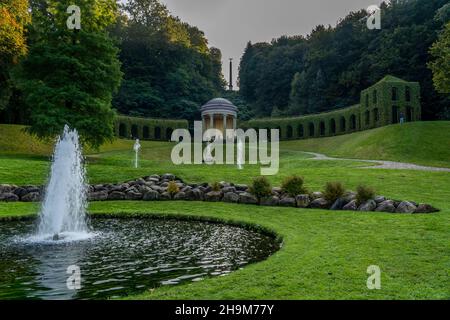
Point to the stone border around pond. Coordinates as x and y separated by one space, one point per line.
154 188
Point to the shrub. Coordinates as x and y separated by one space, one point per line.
293 186
173 188
261 188
364 193
215 186
333 191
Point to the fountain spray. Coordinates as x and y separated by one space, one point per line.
63 211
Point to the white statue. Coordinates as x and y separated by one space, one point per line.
209 159
240 154
136 148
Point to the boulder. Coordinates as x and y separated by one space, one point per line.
270 201
241 187
316 195
276 190
180 196
379 199
288 202
319 203
303 201
213 196
7 188
228 189
369 205
194 195
157 188
165 196
116 195
386 206
133 195
168 176
351 206
9 197
94 196
151 195
339 203
425 208
231 197
186 189
406 207
20 192
247 198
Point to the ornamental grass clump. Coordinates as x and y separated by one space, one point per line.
333 191
293 186
215 186
364 194
261 188
172 188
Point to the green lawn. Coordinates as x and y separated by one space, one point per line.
325 254
423 143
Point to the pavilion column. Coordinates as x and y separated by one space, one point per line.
224 126
211 121
204 123
234 123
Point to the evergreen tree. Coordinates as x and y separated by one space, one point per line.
69 76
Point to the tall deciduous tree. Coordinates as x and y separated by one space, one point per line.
14 16
441 63
169 69
339 62
69 76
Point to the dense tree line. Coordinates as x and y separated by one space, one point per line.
328 68
169 69
132 58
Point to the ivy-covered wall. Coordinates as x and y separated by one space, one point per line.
388 101
147 129
382 104
331 123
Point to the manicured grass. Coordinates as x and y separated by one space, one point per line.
424 143
325 254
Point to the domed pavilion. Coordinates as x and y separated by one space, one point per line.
219 114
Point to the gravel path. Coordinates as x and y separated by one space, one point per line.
381 164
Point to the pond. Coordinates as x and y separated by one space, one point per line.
126 256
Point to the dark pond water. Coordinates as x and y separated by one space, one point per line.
126 256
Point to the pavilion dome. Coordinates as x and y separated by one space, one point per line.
219 105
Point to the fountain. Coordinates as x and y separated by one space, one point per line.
136 148
63 212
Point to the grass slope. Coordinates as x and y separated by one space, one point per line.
325 254
424 143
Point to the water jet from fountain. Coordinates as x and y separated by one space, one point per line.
63 212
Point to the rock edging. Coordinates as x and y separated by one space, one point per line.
154 188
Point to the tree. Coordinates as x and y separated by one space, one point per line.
14 16
299 95
69 77
441 61
169 69
339 62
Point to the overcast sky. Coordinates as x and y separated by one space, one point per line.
230 24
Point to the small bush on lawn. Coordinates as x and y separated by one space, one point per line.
293 186
333 191
215 186
364 193
173 188
261 188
